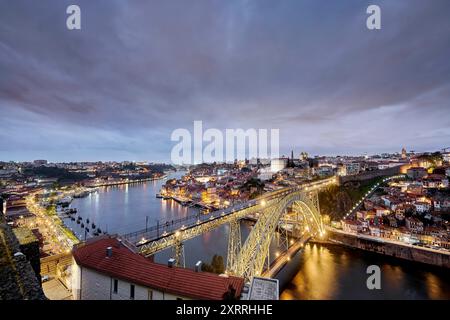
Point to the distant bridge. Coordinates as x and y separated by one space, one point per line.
296 206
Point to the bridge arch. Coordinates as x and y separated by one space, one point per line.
249 260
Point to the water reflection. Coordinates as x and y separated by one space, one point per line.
340 273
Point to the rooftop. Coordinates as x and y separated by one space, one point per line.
129 266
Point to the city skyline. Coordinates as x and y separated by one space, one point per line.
117 88
297 155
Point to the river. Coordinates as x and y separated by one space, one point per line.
320 272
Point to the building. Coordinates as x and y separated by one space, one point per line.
265 174
351 226
303 156
350 168
324 170
40 162
446 157
422 207
415 188
435 181
381 211
416 172
404 153
393 223
414 224
278 164
105 269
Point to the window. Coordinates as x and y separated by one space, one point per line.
150 294
131 291
115 285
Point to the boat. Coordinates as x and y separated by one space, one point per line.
81 194
158 195
87 220
78 221
65 201
82 225
87 229
70 211
99 230
93 225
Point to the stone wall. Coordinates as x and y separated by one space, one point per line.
393 250
18 280
368 175
29 245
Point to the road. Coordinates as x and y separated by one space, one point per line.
285 257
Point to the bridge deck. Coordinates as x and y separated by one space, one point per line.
284 258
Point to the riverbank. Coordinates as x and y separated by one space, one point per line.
71 236
117 183
389 248
51 226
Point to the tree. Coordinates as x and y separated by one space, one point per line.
216 266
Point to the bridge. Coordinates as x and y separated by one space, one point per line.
295 207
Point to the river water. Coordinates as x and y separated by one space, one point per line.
320 272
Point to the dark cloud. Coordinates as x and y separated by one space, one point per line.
138 70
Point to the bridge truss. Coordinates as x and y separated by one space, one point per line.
249 260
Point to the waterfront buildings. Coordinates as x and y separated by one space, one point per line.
409 211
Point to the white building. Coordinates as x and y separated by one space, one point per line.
446 156
278 164
422 207
265 174
105 269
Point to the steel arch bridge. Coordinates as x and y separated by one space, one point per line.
248 261
245 260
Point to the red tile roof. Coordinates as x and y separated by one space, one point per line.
132 267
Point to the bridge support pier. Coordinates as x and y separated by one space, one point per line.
179 254
234 244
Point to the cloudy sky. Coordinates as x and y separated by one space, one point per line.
137 70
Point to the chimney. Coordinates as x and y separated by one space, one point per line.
171 262
198 266
109 252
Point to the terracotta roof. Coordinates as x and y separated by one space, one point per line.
127 265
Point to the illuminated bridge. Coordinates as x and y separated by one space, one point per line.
296 208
